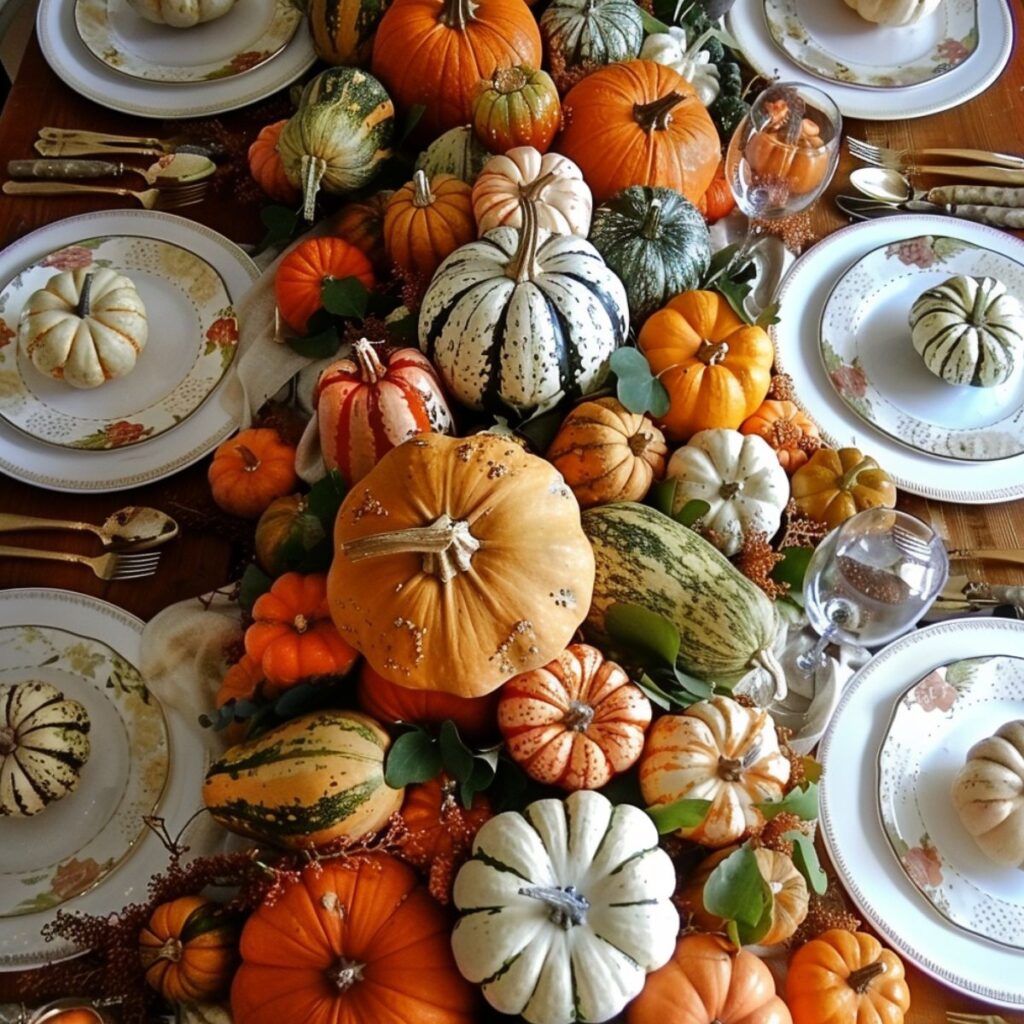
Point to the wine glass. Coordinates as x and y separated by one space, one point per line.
782 155
870 580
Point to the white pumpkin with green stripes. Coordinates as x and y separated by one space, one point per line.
565 909
969 330
521 317
593 31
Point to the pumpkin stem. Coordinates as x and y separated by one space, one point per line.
171 950
84 297
513 79
251 460
311 171
730 769
977 315
457 14
533 191
651 227
371 369
860 979
523 265
639 443
656 116
568 907
849 478
447 546
8 742
766 660
579 716
345 973
711 353
301 623
730 489
421 194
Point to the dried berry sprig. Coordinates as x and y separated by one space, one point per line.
824 913
756 560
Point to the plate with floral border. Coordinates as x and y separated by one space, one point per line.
874 368
934 723
74 843
192 340
249 35
833 42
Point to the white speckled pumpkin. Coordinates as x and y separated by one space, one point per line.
893 12
181 13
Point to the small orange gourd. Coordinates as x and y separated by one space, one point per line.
250 470
718 200
516 106
836 484
266 167
786 428
361 223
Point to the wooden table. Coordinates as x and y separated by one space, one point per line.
201 558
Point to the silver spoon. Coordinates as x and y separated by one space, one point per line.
135 527
170 170
884 184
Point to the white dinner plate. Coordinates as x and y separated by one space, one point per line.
62 469
867 867
21 942
75 65
803 295
746 21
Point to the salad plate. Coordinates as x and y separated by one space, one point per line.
192 340
872 364
934 723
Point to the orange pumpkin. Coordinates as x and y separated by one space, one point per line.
349 942
708 981
250 470
718 200
476 717
188 949
242 681
575 722
785 427
640 123
716 368
607 453
835 485
266 167
301 275
426 220
292 636
434 52
773 154
846 976
361 223
516 106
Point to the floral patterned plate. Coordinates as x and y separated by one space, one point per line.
249 35
871 363
934 723
832 41
192 339
76 842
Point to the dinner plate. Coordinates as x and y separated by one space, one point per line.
832 41
193 333
852 829
21 944
797 352
746 21
934 724
75 65
250 34
73 844
873 366
65 469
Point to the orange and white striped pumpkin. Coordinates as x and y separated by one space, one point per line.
367 405
575 722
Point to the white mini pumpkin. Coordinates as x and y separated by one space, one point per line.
893 12
85 327
565 909
181 13
988 794
694 64
740 478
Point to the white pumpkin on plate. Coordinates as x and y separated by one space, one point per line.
893 12
181 13
85 327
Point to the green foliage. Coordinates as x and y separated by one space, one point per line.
737 892
681 814
637 388
805 859
801 801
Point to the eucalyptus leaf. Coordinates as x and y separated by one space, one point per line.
693 510
801 801
655 693
281 223
317 346
404 329
793 567
642 631
344 296
297 700
254 583
637 388
669 818
414 757
805 859
456 757
325 498
662 495
699 688
480 777
736 891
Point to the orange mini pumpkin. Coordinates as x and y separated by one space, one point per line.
718 200
361 223
266 167
516 106
575 722
241 682
786 428
292 636
835 485
250 470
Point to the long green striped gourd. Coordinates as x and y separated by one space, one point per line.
727 626
306 782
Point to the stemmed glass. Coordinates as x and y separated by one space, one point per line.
870 580
782 155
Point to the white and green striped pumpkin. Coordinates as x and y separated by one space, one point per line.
458 152
44 743
969 330
339 136
656 241
593 31
565 909
520 317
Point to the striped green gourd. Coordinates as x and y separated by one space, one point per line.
727 626
593 31
305 783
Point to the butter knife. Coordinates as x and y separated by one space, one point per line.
997 216
64 169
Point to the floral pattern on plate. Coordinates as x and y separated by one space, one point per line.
75 843
933 725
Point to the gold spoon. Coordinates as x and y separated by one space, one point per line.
133 527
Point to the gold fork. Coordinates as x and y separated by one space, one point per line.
151 199
904 159
106 567
974 1018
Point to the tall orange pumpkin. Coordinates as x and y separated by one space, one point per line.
350 942
640 123
434 52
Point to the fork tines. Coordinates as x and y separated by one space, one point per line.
974 1018
174 196
133 566
879 156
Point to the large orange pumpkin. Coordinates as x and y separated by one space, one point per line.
716 368
639 123
434 53
350 942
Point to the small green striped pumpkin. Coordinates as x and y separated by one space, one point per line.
44 743
593 31
458 151
343 30
305 783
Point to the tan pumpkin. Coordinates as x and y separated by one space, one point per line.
575 722
720 751
836 484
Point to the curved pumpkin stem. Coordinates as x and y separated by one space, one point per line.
421 194
766 660
651 227
730 489
345 973
711 353
85 297
457 14
371 369
656 116
249 457
311 171
568 907
639 443
579 716
849 478
533 191
523 265
860 979
171 950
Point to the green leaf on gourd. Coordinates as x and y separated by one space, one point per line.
643 632
414 757
793 567
801 801
539 429
669 818
254 582
300 699
636 387
768 316
805 860
345 296
281 222
699 689
325 498
456 757
662 495
655 694
736 891
480 778
652 26
693 510
321 345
